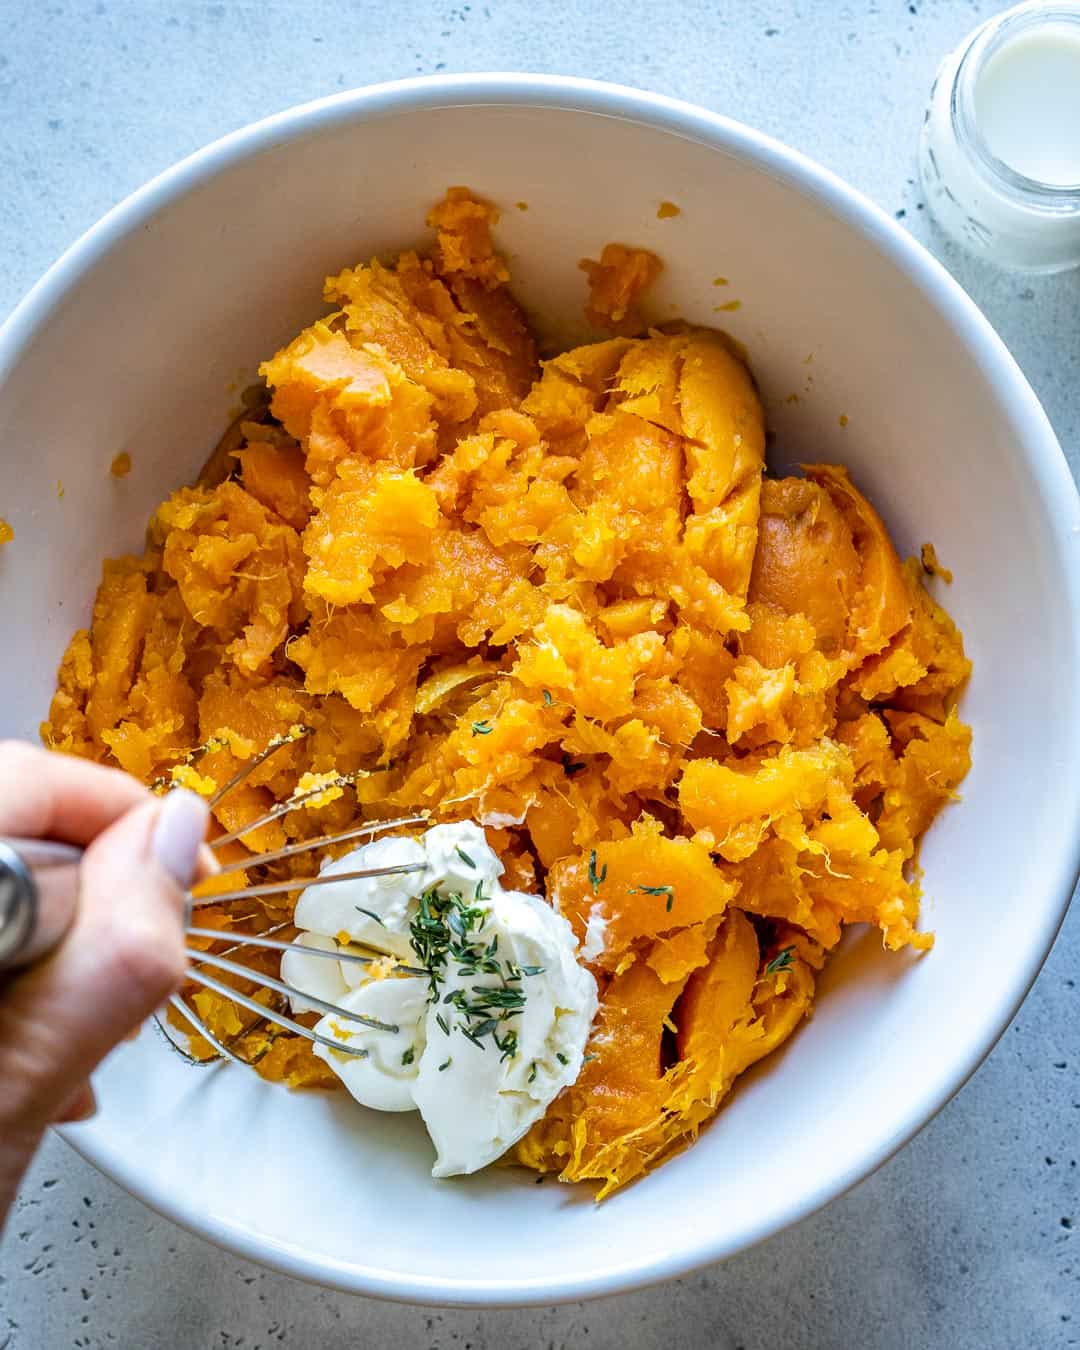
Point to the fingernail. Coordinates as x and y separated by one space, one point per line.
179 834
81 1106
207 863
85 1108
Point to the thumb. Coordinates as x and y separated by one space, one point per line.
123 955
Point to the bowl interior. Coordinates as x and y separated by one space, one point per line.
150 333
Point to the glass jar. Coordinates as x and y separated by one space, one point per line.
999 154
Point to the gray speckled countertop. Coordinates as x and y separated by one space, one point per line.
970 1238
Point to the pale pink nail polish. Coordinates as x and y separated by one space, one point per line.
179 833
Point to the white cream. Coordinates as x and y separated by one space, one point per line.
595 933
1027 102
316 975
999 151
373 911
385 1080
501 820
476 1099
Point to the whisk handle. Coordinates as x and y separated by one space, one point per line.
38 889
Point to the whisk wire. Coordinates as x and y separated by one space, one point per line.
196 1022
272 1015
273 944
280 987
290 737
371 827
289 804
301 884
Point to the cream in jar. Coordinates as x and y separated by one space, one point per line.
999 154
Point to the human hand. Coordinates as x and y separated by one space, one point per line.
123 953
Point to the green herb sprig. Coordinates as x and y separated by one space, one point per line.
445 930
370 913
783 960
669 891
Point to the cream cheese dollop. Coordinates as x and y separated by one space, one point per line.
486 1043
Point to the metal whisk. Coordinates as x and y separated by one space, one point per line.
32 920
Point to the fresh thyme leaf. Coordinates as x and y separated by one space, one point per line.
548 700
444 935
446 1063
532 1072
465 857
409 1055
439 932
561 1057
587 1059
783 960
595 877
456 924
493 997
370 914
532 970
669 891
572 766
483 728
508 1045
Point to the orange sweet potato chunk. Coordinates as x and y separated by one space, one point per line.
379 312
643 886
275 475
616 283
464 245
238 568
734 808
824 553
707 713
361 532
630 1109
805 563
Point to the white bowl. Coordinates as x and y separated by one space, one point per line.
138 340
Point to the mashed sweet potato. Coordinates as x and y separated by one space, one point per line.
708 713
